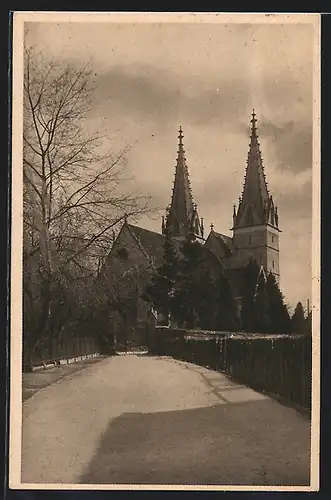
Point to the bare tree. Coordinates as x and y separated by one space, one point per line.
74 192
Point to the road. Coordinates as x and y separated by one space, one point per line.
147 420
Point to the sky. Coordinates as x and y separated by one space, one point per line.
150 78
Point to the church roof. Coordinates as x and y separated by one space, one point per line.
149 241
181 210
219 244
224 240
255 192
152 244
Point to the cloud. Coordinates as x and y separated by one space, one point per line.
157 95
162 97
297 205
291 143
137 93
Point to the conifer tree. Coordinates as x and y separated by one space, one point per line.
279 316
263 320
249 283
226 315
190 287
158 291
298 321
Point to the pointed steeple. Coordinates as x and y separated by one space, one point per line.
255 203
182 216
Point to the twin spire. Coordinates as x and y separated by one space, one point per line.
182 215
256 205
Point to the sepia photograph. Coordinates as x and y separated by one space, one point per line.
165 251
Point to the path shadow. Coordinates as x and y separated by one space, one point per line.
251 443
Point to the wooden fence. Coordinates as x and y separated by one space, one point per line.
276 364
53 351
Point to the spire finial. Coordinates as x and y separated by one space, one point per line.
180 137
253 121
212 227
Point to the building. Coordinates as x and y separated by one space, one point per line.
255 230
137 252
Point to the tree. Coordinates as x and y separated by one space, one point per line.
158 291
226 315
205 298
74 194
280 321
190 288
249 287
298 320
263 322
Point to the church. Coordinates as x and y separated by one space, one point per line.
137 252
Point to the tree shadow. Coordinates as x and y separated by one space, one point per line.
251 443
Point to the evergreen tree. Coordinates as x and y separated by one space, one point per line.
158 291
205 299
249 286
263 320
298 320
226 315
190 288
280 321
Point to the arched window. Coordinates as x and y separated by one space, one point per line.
273 264
249 239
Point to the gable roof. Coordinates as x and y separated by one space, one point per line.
224 240
152 244
219 244
149 241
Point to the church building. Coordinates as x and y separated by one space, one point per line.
137 252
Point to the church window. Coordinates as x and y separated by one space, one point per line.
273 264
272 238
249 239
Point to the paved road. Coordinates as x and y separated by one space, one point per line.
138 419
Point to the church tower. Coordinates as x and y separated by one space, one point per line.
255 222
182 215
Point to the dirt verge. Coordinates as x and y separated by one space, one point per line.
37 380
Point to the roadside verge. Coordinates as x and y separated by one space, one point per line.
39 379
